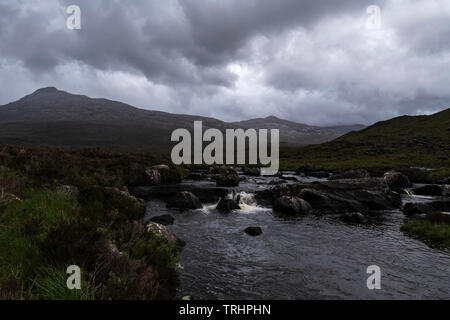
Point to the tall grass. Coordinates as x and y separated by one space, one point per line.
50 284
25 272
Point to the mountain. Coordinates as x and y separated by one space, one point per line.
422 141
291 133
341 130
53 117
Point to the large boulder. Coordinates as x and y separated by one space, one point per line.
291 205
227 205
152 177
317 199
184 200
351 174
429 190
396 180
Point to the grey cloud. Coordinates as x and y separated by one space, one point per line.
309 61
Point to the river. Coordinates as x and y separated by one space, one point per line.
310 257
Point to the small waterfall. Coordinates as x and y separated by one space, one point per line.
247 202
409 192
245 198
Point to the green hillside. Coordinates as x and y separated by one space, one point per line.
422 141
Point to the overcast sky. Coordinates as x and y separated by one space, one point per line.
312 61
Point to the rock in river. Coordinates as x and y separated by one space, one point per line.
227 205
396 180
291 205
184 200
429 190
253 231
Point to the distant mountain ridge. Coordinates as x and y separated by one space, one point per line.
53 117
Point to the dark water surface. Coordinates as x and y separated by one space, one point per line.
312 257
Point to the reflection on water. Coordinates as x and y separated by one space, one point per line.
309 257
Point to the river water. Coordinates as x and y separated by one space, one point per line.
310 257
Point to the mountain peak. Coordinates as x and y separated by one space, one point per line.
46 90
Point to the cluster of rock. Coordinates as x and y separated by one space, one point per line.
353 193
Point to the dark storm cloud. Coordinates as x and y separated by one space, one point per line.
223 27
186 41
310 61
